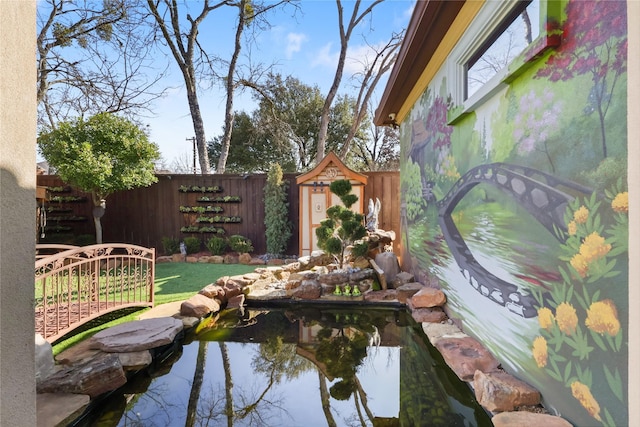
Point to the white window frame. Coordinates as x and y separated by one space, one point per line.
490 16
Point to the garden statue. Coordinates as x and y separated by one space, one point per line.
372 216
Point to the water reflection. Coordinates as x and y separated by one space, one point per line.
295 367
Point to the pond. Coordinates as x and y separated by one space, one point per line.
293 366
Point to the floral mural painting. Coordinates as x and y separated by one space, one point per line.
519 212
581 337
594 43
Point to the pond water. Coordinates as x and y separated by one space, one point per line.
330 366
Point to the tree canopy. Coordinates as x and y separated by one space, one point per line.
100 155
285 126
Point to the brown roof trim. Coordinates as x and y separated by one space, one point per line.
332 158
429 23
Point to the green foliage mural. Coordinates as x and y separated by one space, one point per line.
520 210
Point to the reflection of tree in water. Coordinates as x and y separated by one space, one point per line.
274 360
342 354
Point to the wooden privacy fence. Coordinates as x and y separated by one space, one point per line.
79 284
228 202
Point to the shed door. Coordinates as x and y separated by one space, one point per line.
318 201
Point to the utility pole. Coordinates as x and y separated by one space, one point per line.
193 140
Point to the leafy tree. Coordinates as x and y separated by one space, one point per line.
287 115
594 42
276 211
254 148
343 227
101 155
93 57
285 127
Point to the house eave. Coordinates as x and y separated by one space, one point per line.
428 25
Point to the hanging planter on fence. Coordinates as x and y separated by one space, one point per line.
219 219
196 229
201 209
199 189
67 199
219 199
59 189
67 218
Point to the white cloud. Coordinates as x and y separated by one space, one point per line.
294 43
325 58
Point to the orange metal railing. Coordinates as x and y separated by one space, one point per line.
79 284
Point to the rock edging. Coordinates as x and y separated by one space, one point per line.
102 363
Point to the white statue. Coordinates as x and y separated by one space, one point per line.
372 216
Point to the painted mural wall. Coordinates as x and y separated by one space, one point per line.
520 212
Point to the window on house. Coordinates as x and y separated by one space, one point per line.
518 30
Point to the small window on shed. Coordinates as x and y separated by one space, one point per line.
520 28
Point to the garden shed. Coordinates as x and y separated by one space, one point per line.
315 196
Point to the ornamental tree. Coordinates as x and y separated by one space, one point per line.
594 43
343 227
276 211
101 155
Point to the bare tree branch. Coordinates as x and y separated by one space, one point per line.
92 60
345 35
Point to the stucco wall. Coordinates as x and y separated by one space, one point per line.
17 211
633 144
517 203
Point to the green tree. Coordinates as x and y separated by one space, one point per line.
276 211
284 128
101 155
254 149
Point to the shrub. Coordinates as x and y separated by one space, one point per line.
192 244
217 245
170 245
276 212
240 244
343 227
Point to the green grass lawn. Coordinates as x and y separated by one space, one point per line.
175 281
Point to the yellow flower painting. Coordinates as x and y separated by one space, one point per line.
602 318
620 203
583 394
581 215
540 351
567 318
545 318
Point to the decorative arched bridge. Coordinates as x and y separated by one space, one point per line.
78 284
544 196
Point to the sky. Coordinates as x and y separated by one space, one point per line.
305 46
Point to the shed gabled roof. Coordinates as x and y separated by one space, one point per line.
332 157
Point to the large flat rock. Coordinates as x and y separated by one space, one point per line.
501 392
199 306
54 409
465 356
99 375
138 335
527 419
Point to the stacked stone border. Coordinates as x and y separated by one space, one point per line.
107 360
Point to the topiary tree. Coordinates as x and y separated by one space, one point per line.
343 227
101 155
276 211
